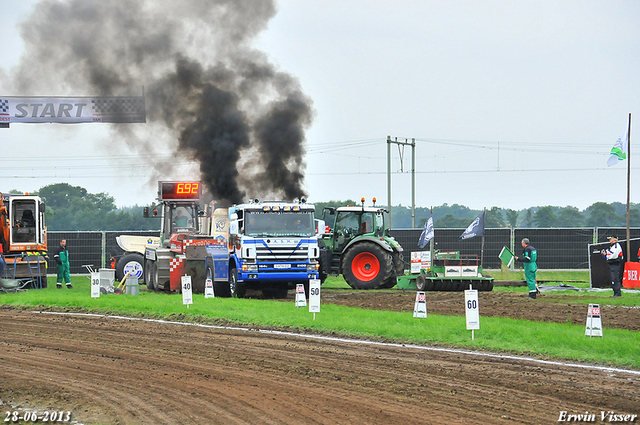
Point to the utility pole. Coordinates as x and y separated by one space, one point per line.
413 176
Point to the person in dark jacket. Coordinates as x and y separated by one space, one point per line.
62 260
529 258
614 257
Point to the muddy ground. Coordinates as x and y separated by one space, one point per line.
114 371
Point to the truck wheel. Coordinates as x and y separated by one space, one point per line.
149 275
237 290
421 283
132 262
366 266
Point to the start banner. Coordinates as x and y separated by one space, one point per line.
72 110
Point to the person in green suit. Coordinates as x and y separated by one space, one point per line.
62 260
529 258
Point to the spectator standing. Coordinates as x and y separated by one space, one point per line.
529 258
62 260
614 257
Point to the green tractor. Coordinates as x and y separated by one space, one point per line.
359 247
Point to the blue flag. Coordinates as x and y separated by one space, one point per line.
427 233
476 228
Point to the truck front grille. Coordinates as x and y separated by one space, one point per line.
281 253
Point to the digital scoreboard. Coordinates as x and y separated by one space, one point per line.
172 191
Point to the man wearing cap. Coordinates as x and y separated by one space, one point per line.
614 257
529 258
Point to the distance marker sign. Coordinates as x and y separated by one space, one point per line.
187 292
95 285
208 289
301 297
594 321
314 296
471 307
420 307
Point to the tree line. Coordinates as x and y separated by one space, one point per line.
599 214
72 208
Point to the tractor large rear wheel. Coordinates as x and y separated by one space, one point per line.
367 266
389 283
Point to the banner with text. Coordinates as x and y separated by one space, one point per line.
72 110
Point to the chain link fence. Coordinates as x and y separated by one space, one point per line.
557 248
88 248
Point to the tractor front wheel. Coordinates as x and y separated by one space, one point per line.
366 266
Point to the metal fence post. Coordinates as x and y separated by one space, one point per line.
513 245
104 248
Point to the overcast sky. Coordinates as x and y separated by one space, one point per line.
511 103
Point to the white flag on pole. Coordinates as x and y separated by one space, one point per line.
620 149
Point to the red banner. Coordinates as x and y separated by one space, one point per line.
631 276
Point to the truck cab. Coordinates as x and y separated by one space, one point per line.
271 246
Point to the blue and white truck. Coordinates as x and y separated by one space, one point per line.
266 246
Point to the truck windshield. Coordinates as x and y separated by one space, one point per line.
24 221
279 223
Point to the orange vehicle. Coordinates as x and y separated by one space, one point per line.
24 240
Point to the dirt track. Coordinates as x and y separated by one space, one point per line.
113 371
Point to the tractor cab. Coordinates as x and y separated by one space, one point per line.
179 217
359 246
348 223
22 224
352 222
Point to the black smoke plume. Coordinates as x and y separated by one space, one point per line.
210 96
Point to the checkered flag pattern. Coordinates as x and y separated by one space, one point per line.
174 263
4 106
121 105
